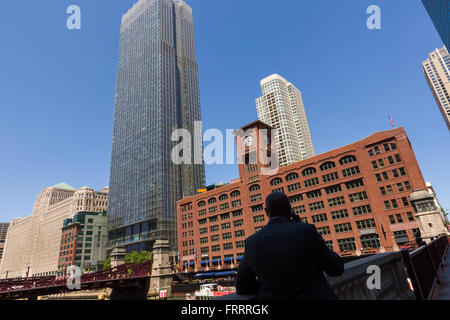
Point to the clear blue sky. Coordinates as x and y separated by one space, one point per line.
57 86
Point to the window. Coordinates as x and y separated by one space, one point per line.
215 238
374 164
278 190
313 194
387 205
392 219
293 187
319 218
324 230
202 221
389 189
235 194
204 240
383 191
347 244
350 171
397 158
402 171
329 244
226 236
212 200
225 216
227 246
333 189
241 244
401 237
316 206
299 209
355 197
296 198
236 203
311 182
400 187
354 184
201 204
330 177
365 224
214 228
340 214
254 188
343 227
410 216
224 206
390 160
212 209
256 197
308 171
237 213
370 241
385 176
239 233
407 185
226 225
258 219
347 159
393 146
386 147
336 201
405 201
203 230
275 182
395 173
381 163
399 218
292 176
327 165
394 203
238 223
214 219
257 208
378 177
223 197
215 248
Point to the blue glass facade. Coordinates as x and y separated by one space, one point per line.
439 11
156 92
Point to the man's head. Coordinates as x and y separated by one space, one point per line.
277 204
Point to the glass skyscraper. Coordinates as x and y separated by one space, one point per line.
156 92
439 11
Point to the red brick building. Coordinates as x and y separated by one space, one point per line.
356 195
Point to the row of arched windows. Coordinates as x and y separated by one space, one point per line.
222 197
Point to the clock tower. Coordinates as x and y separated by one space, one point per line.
256 152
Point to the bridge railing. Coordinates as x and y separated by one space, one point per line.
424 265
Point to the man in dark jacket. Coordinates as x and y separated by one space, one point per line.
286 260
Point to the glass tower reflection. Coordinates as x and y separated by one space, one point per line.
157 91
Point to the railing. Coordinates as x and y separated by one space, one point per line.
424 265
352 284
11 288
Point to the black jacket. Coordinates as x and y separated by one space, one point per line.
285 260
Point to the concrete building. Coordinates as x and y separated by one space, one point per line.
83 242
3 231
439 12
281 106
356 195
32 243
431 191
428 214
437 74
157 91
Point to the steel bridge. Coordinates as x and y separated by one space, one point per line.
132 276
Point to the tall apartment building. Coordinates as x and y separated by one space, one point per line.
83 242
281 106
157 91
356 195
437 74
32 243
439 12
3 231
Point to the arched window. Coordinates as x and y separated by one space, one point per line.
327 165
201 204
276 181
235 194
212 200
347 159
308 171
223 197
292 176
254 188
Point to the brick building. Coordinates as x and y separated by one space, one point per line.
356 195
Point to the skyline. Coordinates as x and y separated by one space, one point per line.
73 145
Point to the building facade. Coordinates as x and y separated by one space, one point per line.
83 242
356 195
157 91
439 12
3 231
33 243
281 106
437 74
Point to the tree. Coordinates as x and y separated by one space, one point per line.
138 257
107 263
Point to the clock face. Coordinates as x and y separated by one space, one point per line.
248 141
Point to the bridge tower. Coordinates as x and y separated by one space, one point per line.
118 256
162 275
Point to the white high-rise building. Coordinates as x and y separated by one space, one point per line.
436 69
281 106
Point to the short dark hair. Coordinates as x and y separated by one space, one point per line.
277 204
